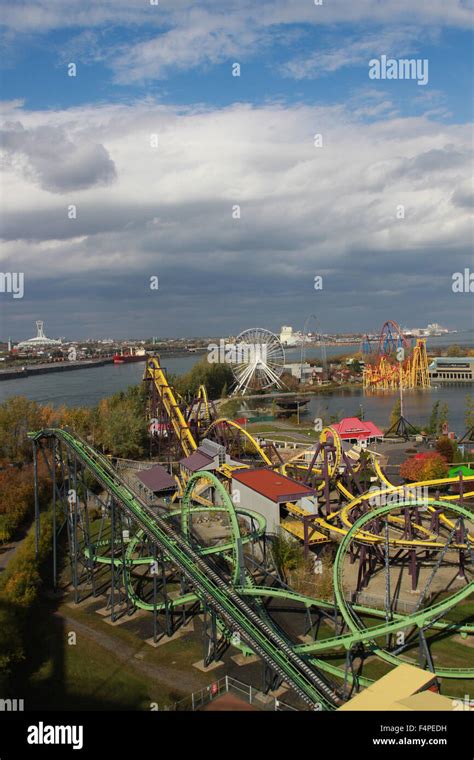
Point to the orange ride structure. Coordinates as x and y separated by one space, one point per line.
396 364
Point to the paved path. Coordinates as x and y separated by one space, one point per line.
8 550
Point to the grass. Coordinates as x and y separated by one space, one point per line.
92 678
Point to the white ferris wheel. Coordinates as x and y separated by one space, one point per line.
257 361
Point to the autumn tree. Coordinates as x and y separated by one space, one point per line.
469 415
429 466
18 416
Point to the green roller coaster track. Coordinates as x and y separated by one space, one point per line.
273 649
224 596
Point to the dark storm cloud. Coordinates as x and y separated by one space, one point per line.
463 196
49 157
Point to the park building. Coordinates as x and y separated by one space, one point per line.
272 495
450 369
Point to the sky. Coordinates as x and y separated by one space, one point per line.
177 168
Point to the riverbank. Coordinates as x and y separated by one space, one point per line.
29 370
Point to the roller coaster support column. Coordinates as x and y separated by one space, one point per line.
87 539
168 607
326 480
55 545
210 639
112 563
413 569
461 539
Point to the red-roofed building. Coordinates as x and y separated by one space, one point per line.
266 492
354 430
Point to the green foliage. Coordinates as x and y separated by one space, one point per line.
443 416
19 415
216 378
469 415
19 588
395 413
121 427
455 350
287 553
439 416
229 409
17 496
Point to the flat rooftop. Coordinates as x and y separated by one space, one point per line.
272 485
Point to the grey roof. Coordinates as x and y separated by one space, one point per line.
196 461
211 448
157 479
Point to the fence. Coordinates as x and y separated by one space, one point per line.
225 685
372 600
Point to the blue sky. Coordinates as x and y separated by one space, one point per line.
227 141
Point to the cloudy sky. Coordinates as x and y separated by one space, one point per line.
234 191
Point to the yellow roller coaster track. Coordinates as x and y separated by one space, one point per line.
188 443
154 371
387 375
245 433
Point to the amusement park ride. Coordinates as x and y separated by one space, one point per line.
380 533
395 364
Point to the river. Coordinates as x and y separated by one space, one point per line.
86 387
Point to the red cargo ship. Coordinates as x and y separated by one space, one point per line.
138 356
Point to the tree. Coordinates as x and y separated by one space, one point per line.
434 419
121 425
429 466
395 413
214 376
455 350
443 417
287 553
18 416
469 416
446 447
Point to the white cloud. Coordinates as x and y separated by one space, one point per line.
182 35
300 205
357 51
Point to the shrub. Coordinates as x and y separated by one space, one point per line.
427 466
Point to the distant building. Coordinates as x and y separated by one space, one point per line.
450 369
288 337
302 372
353 430
39 341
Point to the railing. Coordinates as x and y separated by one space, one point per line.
225 685
288 444
372 600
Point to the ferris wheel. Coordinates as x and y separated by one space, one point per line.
258 360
